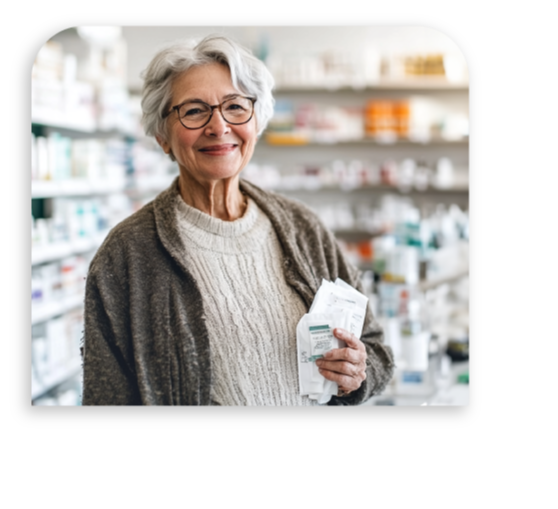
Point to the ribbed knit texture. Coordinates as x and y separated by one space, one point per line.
252 327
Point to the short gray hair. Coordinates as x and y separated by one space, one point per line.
249 75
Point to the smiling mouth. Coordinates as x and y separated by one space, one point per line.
219 149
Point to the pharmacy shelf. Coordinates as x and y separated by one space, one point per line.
59 120
43 312
426 284
422 84
357 235
280 140
316 188
59 250
74 187
150 184
52 380
454 394
429 284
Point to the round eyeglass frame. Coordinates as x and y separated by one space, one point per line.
216 106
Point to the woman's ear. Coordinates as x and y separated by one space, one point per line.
164 145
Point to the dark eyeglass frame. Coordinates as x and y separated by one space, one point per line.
216 106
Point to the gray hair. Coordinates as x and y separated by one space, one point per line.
248 74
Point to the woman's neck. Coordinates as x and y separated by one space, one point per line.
221 199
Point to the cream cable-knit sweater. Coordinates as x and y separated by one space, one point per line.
252 327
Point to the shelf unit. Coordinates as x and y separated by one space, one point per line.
275 140
356 234
74 187
453 394
57 120
58 250
43 122
150 185
423 84
374 188
429 284
357 95
43 312
54 379
289 149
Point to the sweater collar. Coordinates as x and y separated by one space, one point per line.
212 225
297 266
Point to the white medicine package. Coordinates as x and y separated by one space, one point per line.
335 305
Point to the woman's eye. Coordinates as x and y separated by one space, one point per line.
235 107
193 111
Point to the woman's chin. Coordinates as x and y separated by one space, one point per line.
216 174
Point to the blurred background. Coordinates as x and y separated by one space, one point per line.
371 130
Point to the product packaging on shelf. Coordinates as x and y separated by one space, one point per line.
404 176
86 94
403 319
52 282
153 171
367 67
34 158
55 351
72 181
59 158
385 120
77 223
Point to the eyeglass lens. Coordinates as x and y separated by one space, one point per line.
235 111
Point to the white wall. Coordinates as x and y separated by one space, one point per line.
143 42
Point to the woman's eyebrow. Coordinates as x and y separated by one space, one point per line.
197 100
194 100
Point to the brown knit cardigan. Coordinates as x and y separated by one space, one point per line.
146 340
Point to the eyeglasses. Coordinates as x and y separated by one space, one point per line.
196 114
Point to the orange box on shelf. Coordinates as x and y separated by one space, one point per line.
365 250
379 117
401 112
287 138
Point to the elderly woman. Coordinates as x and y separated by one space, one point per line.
195 298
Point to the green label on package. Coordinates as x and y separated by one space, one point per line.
321 339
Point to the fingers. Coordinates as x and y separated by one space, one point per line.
355 351
346 366
345 354
345 383
341 367
349 338
348 375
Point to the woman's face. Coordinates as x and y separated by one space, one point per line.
218 150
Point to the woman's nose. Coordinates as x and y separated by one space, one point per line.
217 126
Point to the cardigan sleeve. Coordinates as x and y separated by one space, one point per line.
108 371
379 362
305 238
325 259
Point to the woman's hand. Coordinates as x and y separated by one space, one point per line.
346 366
